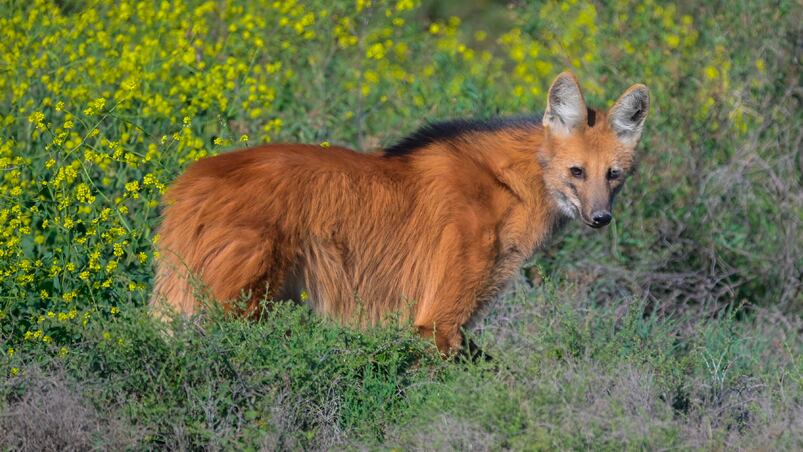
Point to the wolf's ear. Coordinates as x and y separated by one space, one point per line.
565 107
627 115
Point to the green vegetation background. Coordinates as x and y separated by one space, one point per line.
678 326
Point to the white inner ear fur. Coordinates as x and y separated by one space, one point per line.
566 108
628 114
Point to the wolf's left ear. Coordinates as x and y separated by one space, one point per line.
627 115
565 108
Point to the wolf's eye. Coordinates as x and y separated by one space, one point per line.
576 171
614 174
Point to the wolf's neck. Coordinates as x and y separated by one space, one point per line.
512 157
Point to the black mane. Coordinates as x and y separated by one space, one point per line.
439 131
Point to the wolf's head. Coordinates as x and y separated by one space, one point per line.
587 153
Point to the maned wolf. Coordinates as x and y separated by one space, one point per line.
432 228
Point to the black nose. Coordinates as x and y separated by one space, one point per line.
601 217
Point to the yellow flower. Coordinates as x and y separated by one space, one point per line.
376 51
15 371
83 194
672 41
405 5
132 187
37 119
99 103
129 84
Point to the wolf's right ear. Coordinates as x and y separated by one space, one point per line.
566 108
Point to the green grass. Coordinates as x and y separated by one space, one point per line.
566 374
676 327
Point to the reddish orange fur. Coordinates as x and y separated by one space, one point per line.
431 235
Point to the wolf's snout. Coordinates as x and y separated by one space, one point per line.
600 218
